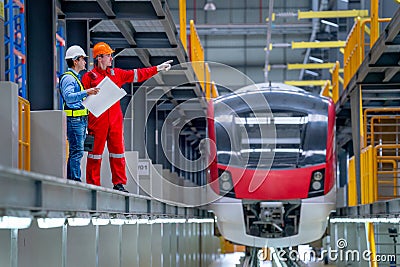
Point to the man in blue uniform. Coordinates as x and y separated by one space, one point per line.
73 92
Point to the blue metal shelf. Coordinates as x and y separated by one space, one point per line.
15 44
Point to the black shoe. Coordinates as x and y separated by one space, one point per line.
120 187
75 179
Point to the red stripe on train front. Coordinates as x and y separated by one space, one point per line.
273 184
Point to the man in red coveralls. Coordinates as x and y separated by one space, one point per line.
109 125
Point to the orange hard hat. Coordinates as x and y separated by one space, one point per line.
101 49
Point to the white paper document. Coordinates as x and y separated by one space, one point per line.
109 94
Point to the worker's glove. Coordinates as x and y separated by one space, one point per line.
164 66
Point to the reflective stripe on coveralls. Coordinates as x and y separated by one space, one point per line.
108 127
92 156
117 156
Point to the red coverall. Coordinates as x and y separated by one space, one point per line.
109 125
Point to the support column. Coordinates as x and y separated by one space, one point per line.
5 251
48 253
355 129
156 245
166 239
81 246
174 244
40 51
130 256
109 245
139 122
145 253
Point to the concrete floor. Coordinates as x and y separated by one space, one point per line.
231 259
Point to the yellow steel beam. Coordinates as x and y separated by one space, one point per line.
298 66
325 44
306 83
331 14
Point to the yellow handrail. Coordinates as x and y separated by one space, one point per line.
327 90
208 82
182 23
214 90
374 110
24 134
368 175
394 166
372 127
352 184
355 43
335 82
369 227
197 55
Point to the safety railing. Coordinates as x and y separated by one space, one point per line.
24 134
380 180
387 169
368 171
327 89
385 119
335 82
182 23
332 88
197 55
354 50
352 199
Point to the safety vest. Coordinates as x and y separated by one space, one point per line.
74 112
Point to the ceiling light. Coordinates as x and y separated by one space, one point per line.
78 221
315 59
210 6
100 221
119 219
329 23
10 222
204 220
50 222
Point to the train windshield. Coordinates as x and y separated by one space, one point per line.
298 139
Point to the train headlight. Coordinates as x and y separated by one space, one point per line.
226 184
316 185
225 177
317 176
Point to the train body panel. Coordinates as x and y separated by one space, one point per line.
312 224
273 164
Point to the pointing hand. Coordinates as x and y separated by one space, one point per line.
165 66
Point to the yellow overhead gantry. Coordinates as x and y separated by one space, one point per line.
331 14
306 83
298 66
325 44
323 14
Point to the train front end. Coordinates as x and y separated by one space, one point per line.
274 167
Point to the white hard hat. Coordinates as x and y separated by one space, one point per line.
74 52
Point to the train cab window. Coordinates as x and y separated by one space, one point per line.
286 139
256 135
